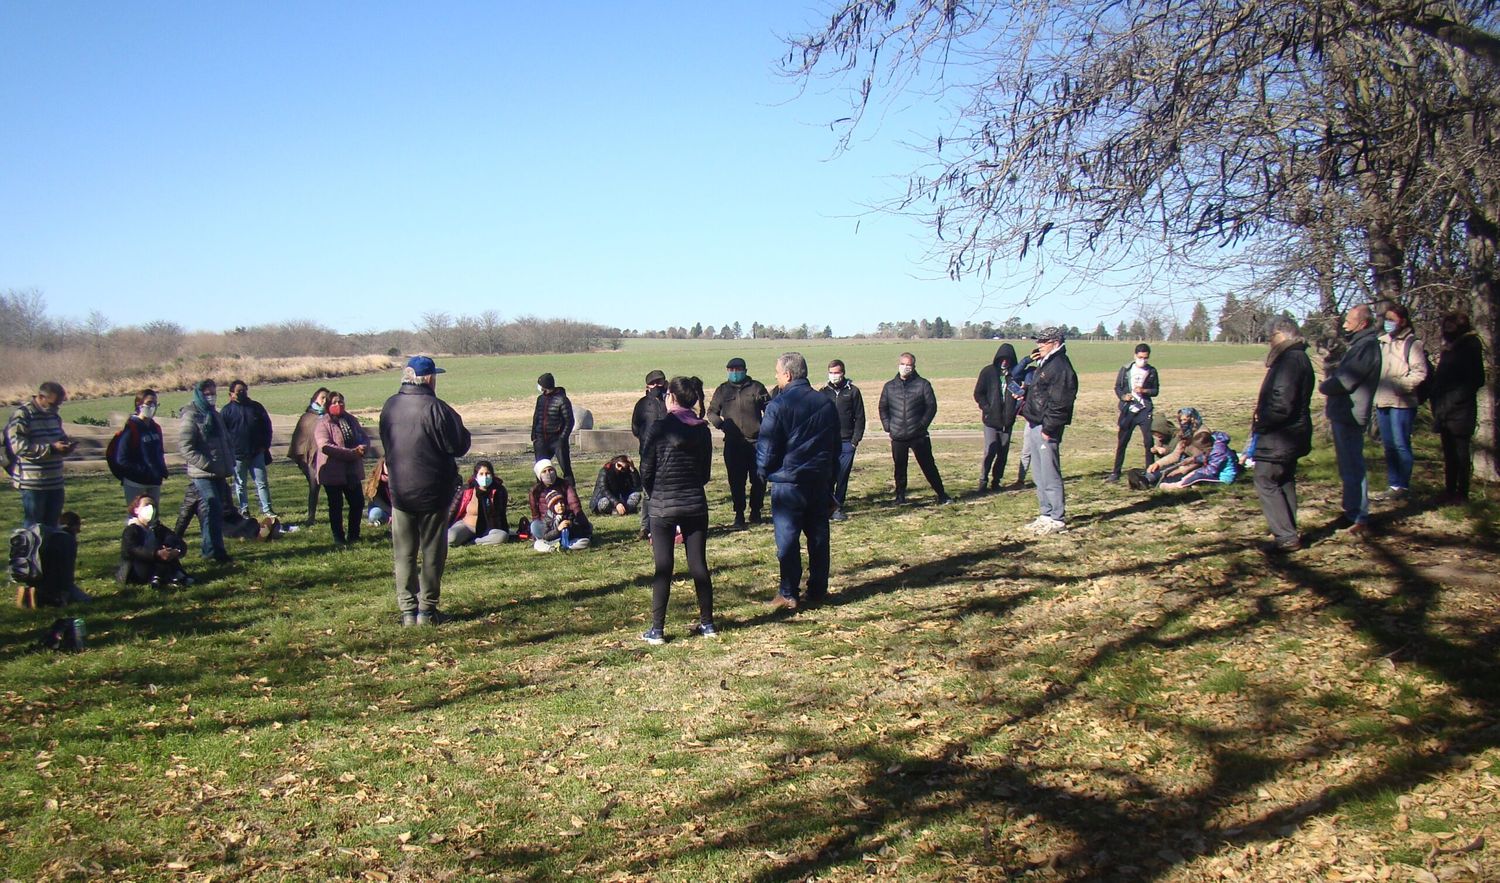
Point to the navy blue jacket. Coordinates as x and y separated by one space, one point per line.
249 428
799 436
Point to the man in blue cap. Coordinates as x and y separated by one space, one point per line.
422 436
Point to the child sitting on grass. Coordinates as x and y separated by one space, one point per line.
557 523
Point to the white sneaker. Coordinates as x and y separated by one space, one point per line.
544 546
1038 522
1052 526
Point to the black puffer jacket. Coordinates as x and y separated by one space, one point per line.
421 435
650 408
1456 383
676 459
1050 397
614 486
1283 419
907 407
553 417
737 409
997 407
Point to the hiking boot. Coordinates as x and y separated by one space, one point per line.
654 637
408 620
1283 547
782 602
432 617
703 630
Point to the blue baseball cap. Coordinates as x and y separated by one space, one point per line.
423 366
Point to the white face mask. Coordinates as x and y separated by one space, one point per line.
539 388
548 476
148 411
1140 360
484 480
835 379
906 370
146 513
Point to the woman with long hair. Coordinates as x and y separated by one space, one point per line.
676 459
339 464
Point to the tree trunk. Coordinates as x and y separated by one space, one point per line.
1483 235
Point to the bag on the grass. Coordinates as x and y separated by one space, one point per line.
26 555
523 528
64 634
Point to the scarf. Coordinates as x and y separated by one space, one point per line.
1280 348
686 416
211 423
346 429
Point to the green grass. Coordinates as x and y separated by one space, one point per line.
976 703
870 363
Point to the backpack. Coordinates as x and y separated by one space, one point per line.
110 450
1423 390
26 555
64 634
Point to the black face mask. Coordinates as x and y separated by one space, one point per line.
660 392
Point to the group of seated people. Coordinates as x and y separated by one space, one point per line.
557 519
1186 455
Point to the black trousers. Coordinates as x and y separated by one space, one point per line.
556 450
337 495
922 448
739 462
695 546
1140 420
1458 463
312 492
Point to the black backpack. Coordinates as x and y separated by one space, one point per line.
1424 389
26 555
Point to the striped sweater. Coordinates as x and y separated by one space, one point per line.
29 434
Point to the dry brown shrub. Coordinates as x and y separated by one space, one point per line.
182 374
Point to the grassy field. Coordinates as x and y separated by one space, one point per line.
600 380
1145 697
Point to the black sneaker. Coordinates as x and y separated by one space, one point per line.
838 515
654 637
756 519
1112 478
702 630
945 500
739 523
432 617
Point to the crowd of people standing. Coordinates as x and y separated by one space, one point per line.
789 449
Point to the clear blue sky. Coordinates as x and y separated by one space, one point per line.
359 164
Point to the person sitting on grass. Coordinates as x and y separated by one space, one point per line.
617 490
557 528
1209 460
1189 421
479 516
378 494
547 480
150 554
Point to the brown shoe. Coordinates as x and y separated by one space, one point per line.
1359 532
783 602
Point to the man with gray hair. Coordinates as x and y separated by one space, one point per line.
797 453
1281 428
1349 388
422 436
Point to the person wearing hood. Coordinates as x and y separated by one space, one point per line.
1349 390
850 403
1282 428
798 454
203 442
552 425
303 446
737 408
1135 387
547 481
997 410
1456 382
650 408
676 462
1048 411
907 407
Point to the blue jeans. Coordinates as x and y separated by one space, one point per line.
841 478
244 472
212 495
1395 433
797 509
41 507
1349 447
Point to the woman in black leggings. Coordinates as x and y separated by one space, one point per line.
676 456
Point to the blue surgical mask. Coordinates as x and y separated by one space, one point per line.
484 480
736 376
1390 327
317 407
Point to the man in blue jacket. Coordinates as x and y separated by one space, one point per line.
249 428
797 452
